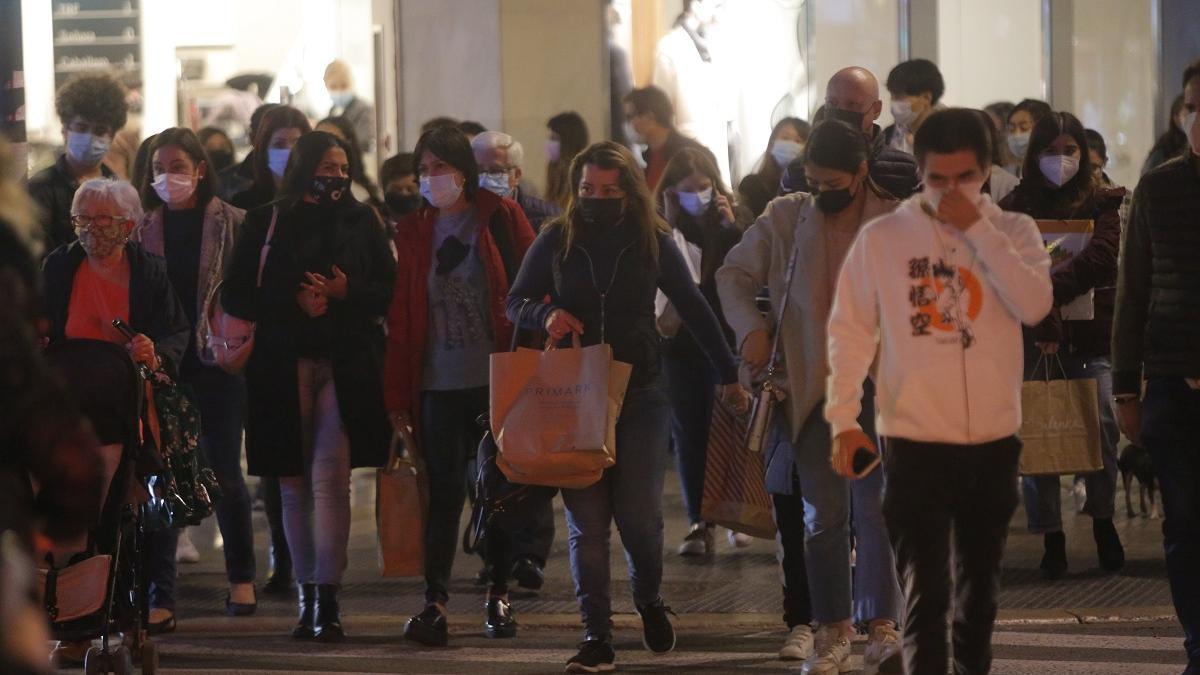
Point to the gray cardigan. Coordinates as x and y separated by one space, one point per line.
221 222
760 259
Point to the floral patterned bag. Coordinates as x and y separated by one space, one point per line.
183 492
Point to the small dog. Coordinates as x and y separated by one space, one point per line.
1135 462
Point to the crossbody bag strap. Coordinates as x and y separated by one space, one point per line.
789 274
266 248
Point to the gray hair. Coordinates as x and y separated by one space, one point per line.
498 140
117 193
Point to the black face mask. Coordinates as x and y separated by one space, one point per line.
834 201
851 117
221 159
600 211
401 204
329 189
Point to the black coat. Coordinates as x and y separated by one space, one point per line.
154 307
53 189
359 248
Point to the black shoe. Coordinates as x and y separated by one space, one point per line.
1108 545
1054 561
595 656
163 627
328 625
500 622
658 635
307 601
239 608
529 573
428 628
280 580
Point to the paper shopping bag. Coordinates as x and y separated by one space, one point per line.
735 493
1060 428
402 508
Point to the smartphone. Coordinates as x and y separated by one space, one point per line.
865 462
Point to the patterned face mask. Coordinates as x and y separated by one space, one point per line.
101 236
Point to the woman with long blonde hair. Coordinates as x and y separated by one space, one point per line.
601 265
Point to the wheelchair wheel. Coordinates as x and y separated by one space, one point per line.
122 661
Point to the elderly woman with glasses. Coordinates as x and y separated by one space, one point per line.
101 277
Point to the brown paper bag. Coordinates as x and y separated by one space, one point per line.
735 492
402 508
1060 427
554 413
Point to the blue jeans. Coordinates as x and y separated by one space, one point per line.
829 503
222 401
1043 494
631 494
691 387
1171 432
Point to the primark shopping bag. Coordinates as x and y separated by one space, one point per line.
735 493
554 413
402 507
1060 427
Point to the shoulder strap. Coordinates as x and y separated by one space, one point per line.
787 291
262 255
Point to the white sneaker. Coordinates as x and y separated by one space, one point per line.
883 652
185 550
739 540
831 654
799 644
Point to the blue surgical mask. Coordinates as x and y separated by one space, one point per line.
277 160
86 149
1018 143
341 99
496 182
784 151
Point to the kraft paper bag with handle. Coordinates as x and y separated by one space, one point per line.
735 492
402 508
554 413
1060 427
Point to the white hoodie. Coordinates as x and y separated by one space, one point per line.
896 299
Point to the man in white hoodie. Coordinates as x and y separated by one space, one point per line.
934 295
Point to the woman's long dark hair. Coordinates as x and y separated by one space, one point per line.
573 138
190 143
1076 194
302 166
1173 141
768 170
277 118
358 175
452 147
686 162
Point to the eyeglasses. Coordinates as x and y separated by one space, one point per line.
83 222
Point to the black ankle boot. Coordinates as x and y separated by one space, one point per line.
500 622
308 608
1054 562
329 622
1108 545
280 580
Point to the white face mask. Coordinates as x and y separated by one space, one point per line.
174 188
341 98
1058 169
695 203
86 149
497 183
632 135
553 150
1189 129
440 191
1018 144
784 152
277 160
903 113
972 189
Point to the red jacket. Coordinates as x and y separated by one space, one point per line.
408 317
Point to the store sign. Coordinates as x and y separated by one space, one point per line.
96 35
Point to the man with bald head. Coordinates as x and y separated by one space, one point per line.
852 96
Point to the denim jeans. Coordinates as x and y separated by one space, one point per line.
316 505
789 551
691 387
629 493
222 401
1171 432
1043 494
947 509
830 502
450 438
